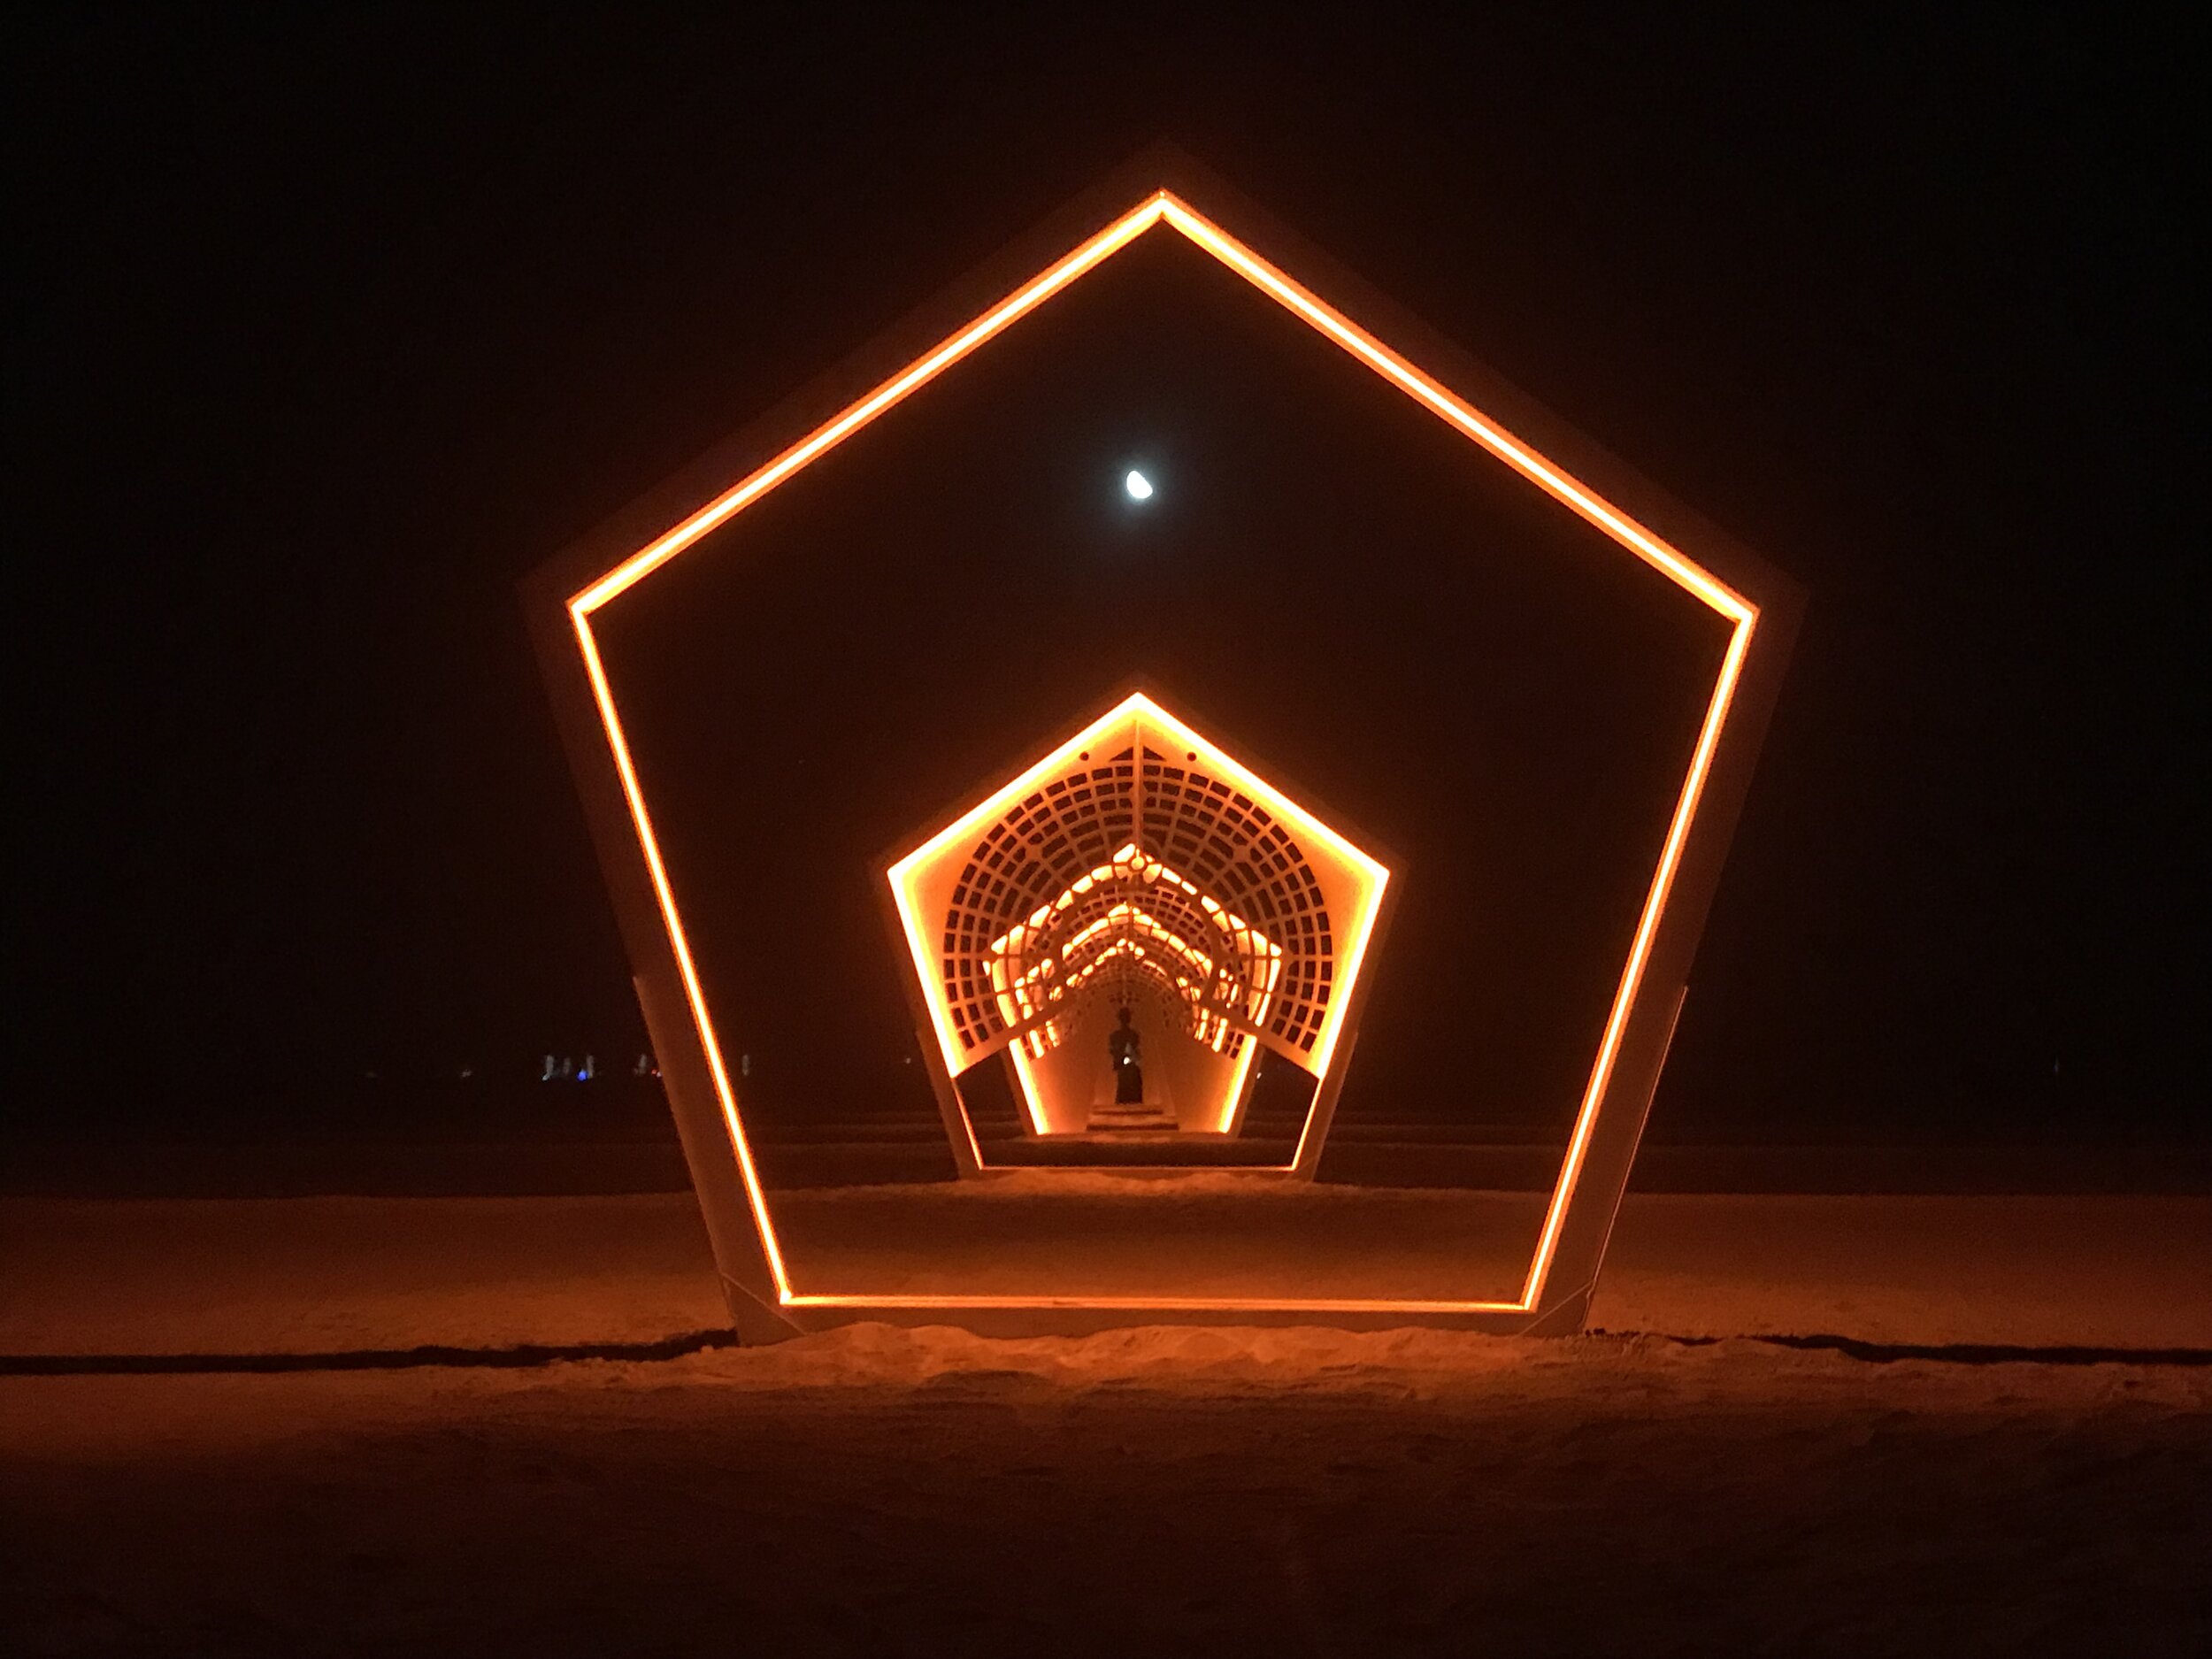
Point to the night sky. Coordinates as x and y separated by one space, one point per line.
323 336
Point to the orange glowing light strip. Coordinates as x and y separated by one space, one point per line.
1164 1304
666 895
1639 953
1164 207
1369 351
833 431
1623 529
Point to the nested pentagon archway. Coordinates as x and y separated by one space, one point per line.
1242 986
1138 862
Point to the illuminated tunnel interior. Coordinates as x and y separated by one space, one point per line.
1140 867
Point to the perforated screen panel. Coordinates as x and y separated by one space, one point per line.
1029 919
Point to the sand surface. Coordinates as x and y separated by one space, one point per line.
1159 1491
308 1274
1152 1492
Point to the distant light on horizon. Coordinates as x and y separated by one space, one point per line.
1139 486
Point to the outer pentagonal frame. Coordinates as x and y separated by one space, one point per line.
1164 189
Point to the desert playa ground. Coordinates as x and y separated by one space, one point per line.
1806 1425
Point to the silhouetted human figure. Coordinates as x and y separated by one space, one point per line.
1125 1049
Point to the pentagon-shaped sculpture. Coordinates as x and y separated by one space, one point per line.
1236 917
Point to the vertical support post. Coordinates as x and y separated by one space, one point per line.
741 1259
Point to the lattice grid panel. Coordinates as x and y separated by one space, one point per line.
1236 893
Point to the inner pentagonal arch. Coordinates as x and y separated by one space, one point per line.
1138 863
1152 859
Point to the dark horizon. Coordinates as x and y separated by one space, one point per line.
327 335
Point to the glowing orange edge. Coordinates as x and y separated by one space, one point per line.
1161 206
